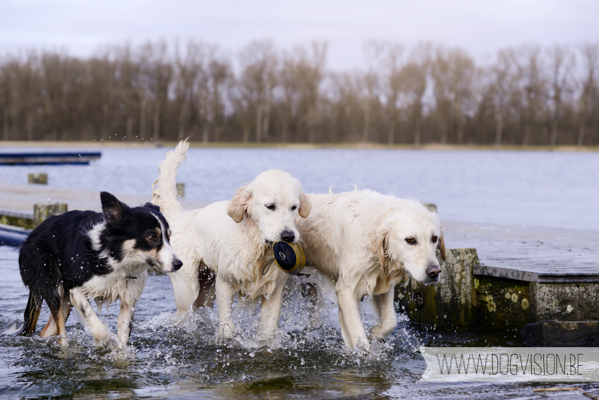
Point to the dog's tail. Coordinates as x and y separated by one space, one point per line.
164 189
32 313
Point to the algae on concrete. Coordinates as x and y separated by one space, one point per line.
448 304
502 303
564 301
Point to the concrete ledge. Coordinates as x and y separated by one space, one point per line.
564 301
503 304
502 299
544 274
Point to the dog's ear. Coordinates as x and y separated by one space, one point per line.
113 208
441 245
239 204
305 205
378 243
152 206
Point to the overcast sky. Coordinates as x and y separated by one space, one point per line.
479 26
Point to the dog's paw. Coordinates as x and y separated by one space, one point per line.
63 341
106 338
381 331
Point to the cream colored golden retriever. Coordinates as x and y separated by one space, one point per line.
223 246
365 242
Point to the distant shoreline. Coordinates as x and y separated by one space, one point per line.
296 146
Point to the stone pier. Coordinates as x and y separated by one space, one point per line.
549 304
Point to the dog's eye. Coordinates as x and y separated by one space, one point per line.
271 207
410 240
152 237
434 239
293 208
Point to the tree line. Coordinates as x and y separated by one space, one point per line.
424 94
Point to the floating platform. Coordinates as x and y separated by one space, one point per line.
12 235
77 158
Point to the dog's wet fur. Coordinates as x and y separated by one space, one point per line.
72 258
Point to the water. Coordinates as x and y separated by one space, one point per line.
550 189
174 356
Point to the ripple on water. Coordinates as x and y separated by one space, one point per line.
179 355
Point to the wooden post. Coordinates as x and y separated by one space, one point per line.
181 189
431 207
39 178
449 303
42 211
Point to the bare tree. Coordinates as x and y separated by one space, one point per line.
453 73
187 67
589 89
392 82
220 79
531 95
343 92
300 78
503 90
561 64
258 79
533 85
156 75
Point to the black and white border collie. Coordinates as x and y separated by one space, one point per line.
83 255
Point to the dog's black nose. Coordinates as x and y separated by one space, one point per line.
433 272
287 236
177 264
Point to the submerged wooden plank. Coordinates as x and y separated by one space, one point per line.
553 333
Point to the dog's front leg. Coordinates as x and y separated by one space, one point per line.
387 319
185 284
270 312
87 315
125 323
224 300
350 319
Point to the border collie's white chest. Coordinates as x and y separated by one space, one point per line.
124 285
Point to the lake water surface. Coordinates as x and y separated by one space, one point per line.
174 356
552 189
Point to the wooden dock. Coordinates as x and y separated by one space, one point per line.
62 158
17 204
532 254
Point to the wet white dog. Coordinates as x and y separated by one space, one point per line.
366 242
223 245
